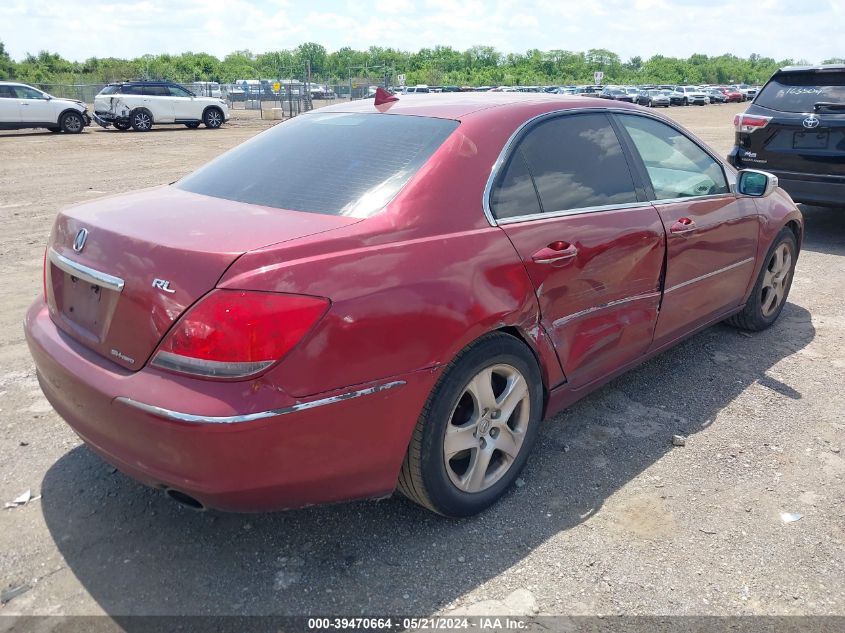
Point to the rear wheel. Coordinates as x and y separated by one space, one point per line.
686 101
72 123
213 118
476 430
55 130
772 288
193 125
122 125
141 120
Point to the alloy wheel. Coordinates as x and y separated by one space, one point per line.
487 428
775 279
142 121
73 123
213 119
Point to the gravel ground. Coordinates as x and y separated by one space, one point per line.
609 517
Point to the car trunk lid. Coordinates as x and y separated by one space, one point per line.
121 270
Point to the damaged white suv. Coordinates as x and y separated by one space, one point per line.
142 104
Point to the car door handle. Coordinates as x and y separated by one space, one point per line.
555 252
683 225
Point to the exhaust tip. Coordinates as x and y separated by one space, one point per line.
184 499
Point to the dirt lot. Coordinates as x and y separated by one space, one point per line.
608 517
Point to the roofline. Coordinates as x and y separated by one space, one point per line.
815 68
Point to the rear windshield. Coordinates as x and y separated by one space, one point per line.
333 163
800 92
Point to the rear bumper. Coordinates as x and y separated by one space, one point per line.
233 446
813 189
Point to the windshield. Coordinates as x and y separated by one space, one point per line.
800 92
333 163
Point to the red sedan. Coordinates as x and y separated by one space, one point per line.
380 295
732 95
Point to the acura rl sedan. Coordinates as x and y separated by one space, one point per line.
394 294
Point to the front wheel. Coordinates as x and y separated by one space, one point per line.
213 118
686 101
476 430
773 283
72 123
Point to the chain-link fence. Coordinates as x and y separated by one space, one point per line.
289 97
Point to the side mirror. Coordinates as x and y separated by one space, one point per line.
757 184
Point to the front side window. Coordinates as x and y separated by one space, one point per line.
676 166
576 161
178 91
24 92
334 163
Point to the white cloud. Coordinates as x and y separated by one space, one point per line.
79 29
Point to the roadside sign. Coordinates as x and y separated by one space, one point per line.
277 86
597 77
401 79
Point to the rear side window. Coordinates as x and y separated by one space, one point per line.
333 163
156 91
514 194
576 161
800 92
6 92
677 167
132 90
108 90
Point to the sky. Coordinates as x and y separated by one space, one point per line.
782 29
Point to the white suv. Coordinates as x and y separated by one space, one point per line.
141 104
688 95
23 106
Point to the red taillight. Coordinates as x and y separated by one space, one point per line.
749 122
235 333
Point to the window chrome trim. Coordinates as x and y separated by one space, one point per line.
577 211
689 282
84 272
504 155
190 418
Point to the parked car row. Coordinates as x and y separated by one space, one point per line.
665 96
133 104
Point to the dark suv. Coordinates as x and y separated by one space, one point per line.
795 129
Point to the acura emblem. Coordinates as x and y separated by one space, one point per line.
79 241
811 122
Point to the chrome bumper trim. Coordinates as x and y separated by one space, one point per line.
84 272
190 418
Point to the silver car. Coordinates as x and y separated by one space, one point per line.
654 98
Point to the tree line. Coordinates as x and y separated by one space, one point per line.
441 65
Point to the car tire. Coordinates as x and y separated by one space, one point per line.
122 125
479 470
54 130
72 123
193 125
769 294
213 118
141 120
